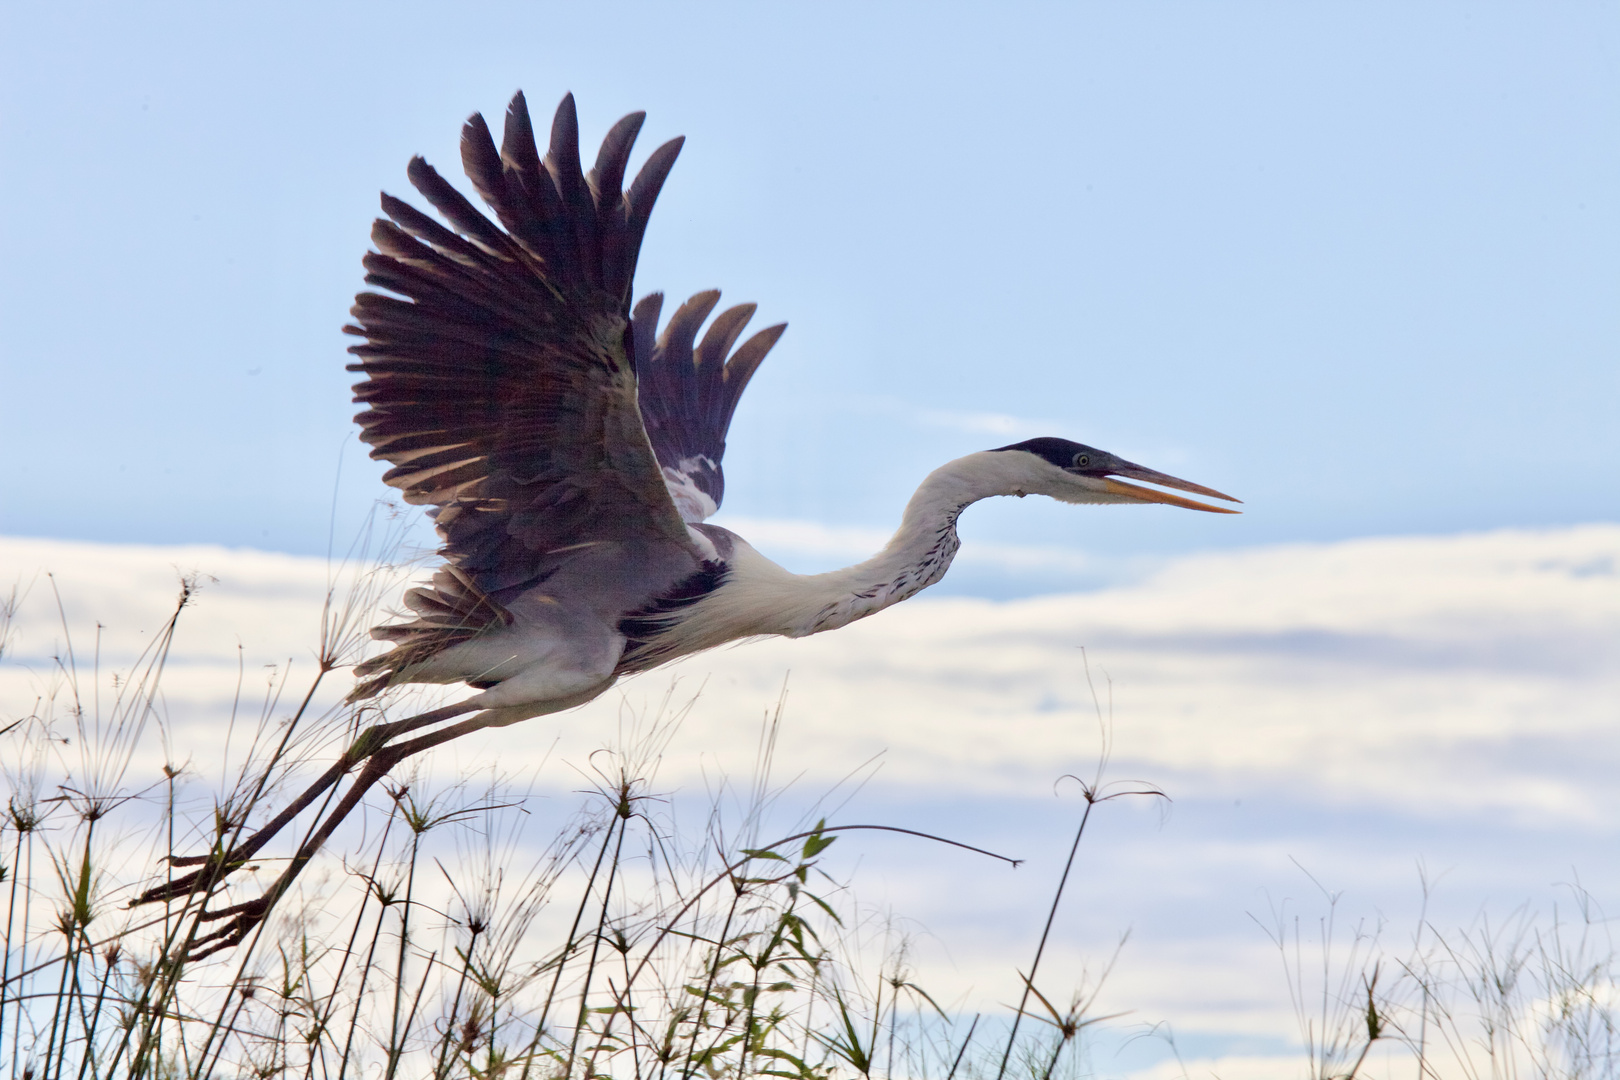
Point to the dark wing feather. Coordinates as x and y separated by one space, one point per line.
499 381
688 392
608 175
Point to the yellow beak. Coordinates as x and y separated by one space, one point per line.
1142 494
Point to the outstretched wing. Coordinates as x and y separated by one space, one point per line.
499 379
688 393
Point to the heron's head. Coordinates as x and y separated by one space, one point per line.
1075 473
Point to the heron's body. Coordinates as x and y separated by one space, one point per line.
593 621
570 451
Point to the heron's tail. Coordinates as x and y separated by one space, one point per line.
449 610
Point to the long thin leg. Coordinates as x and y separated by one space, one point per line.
370 747
216 865
245 916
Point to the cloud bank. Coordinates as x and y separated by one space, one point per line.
1374 702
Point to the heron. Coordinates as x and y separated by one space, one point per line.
569 451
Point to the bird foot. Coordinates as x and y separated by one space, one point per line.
244 918
212 869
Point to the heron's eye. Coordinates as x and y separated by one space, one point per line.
1082 460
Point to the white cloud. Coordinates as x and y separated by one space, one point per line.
1352 670
786 537
843 542
1005 425
987 423
1448 693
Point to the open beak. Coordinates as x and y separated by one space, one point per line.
1148 476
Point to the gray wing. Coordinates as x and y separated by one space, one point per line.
688 393
498 376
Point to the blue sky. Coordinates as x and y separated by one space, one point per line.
1356 264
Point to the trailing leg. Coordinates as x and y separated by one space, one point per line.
247 915
213 867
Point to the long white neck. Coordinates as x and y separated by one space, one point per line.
760 597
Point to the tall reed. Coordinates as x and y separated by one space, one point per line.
439 938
